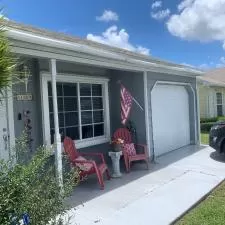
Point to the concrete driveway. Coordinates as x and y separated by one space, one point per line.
174 184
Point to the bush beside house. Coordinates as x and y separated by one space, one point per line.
28 185
207 123
31 186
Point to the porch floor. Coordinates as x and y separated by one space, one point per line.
157 196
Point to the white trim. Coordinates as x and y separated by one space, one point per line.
45 78
147 124
45 111
58 145
197 138
128 64
198 115
10 118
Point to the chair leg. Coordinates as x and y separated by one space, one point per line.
100 181
126 163
147 164
129 165
107 174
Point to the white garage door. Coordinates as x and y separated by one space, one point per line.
170 118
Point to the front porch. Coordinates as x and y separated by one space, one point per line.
158 196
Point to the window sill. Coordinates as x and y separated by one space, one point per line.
91 142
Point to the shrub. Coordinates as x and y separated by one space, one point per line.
221 118
209 120
205 127
31 186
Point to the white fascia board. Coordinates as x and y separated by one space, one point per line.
60 44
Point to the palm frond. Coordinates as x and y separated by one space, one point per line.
8 61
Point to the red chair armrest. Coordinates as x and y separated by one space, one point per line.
94 154
84 162
145 147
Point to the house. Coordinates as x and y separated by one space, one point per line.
212 93
81 77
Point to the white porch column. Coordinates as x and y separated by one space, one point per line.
58 152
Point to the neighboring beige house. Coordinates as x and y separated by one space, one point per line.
211 88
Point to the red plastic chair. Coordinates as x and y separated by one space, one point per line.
92 166
125 135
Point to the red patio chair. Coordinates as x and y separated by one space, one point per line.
86 167
125 135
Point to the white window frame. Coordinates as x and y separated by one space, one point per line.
217 102
75 78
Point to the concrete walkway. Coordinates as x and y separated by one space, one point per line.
175 183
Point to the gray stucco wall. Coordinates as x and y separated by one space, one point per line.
134 82
33 106
152 78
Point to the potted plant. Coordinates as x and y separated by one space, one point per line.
117 144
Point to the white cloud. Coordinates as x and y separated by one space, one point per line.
107 16
143 50
156 4
117 38
201 20
203 66
209 65
222 60
160 15
184 4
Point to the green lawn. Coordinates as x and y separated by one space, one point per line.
211 211
205 138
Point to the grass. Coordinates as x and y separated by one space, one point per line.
205 138
210 211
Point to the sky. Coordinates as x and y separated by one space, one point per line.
189 32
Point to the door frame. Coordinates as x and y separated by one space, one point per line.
9 112
189 86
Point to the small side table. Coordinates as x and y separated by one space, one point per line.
115 156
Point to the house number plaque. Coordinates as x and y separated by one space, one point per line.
26 97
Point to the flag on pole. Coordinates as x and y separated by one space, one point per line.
126 104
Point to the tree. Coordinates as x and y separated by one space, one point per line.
8 62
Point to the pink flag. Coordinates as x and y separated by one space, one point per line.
126 104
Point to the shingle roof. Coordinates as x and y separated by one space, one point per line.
214 77
61 36
217 74
210 81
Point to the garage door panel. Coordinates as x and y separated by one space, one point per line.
170 117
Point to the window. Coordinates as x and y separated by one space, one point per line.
219 102
83 109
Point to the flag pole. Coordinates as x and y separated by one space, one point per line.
138 104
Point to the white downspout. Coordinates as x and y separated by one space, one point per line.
58 152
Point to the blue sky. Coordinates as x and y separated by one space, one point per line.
164 29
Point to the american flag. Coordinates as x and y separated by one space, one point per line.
126 104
